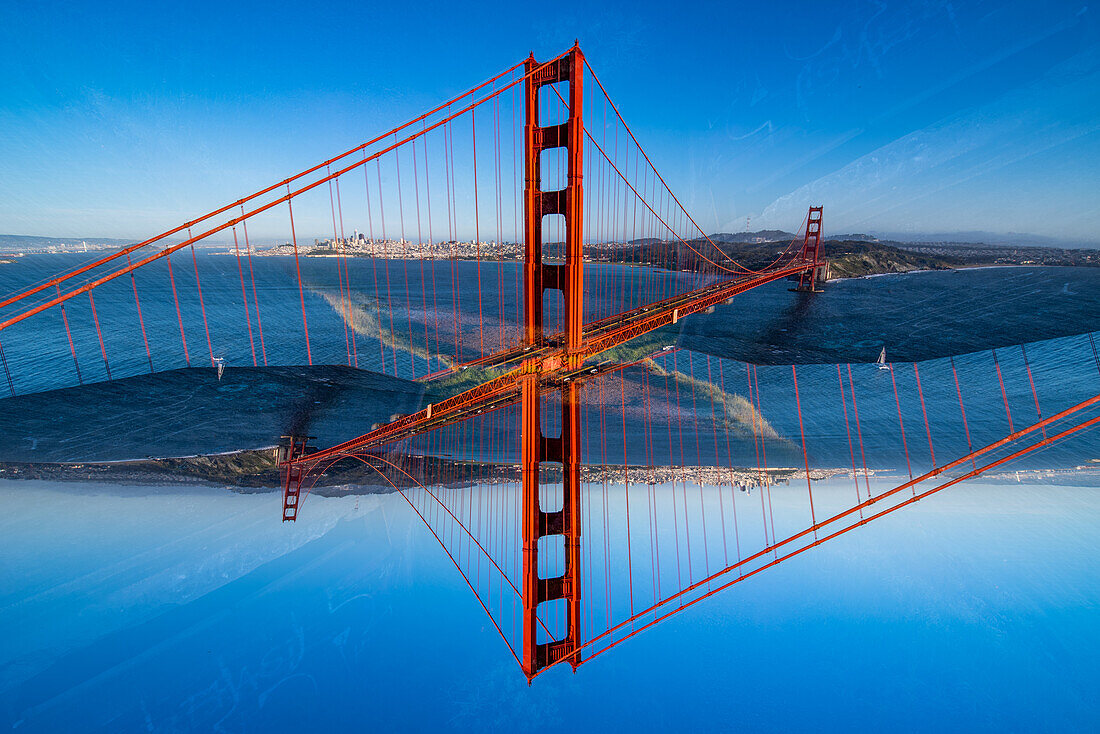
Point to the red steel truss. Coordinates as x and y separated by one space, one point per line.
554 362
811 246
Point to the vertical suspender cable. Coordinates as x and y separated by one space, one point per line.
342 310
141 319
626 495
385 265
202 304
68 333
255 298
347 277
966 426
7 372
848 433
927 429
99 333
179 314
1004 395
423 276
1095 355
244 297
405 255
805 456
477 240
859 431
1034 394
901 423
298 271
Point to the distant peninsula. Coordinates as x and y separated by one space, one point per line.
849 255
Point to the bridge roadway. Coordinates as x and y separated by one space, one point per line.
551 363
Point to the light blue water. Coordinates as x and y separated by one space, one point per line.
152 610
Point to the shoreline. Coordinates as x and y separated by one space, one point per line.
944 270
466 258
256 471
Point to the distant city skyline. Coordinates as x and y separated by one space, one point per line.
902 120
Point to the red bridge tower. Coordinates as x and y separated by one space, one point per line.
811 246
536 449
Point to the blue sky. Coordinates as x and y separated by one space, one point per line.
123 119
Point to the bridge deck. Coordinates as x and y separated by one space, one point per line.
548 360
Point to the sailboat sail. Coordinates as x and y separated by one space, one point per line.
881 357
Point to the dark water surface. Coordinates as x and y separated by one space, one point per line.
917 316
946 320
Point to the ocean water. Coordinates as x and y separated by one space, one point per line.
435 310
1040 321
152 609
915 316
145 608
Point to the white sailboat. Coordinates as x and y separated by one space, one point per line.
881 361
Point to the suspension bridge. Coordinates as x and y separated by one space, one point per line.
523 261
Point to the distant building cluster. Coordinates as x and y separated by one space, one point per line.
61 248
359 245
